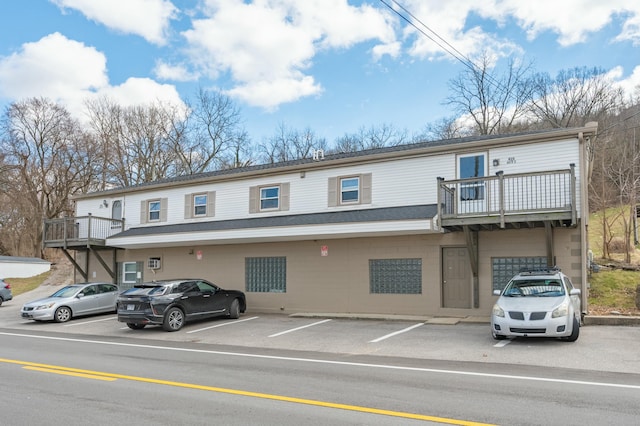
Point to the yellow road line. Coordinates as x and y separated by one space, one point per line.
107 376
70 373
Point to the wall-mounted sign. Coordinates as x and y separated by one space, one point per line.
324 251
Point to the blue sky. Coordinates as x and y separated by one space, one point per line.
333 66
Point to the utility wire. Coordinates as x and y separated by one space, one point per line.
438 40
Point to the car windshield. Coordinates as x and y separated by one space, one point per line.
536 287
68 291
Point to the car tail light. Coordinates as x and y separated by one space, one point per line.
7 285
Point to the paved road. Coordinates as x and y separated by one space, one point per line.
599 348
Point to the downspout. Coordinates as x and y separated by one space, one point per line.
585 176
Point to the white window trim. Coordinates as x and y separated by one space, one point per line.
263 188
149 211
124 272
195 206
358 190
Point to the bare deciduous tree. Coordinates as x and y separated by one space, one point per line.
213 128
493 102
445 128
138 143
288 144
48 159
573 97
374 137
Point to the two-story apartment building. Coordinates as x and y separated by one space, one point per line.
429 228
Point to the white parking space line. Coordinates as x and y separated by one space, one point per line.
502 343
395 333
222 325
89 322
299 328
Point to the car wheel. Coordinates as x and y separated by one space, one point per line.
1 300
498 336
134 326
575 332
234 309
173 319
62 314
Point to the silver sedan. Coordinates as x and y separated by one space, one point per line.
72 301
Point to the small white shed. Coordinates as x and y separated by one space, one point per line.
22 267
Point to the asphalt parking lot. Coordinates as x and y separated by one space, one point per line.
604 348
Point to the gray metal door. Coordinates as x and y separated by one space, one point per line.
456 278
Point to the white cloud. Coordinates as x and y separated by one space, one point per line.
631 30
69 72
54 67
165 71
572 20
441 27
137 91
629 85
269 94
147 18
267 44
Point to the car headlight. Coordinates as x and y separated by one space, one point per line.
498 311
46 306
561 311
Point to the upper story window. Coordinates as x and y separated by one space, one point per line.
347 190
154 211
350 190
200 205
269 198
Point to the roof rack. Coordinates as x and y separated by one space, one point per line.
539 271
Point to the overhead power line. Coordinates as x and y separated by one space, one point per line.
440 41
430 34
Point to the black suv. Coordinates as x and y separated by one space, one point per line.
172 303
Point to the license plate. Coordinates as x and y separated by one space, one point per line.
25 315
131 307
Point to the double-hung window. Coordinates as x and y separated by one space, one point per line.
270 198
154 211
350 190
200 205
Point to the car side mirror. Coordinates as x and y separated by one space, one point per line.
496 292
80 295
575 292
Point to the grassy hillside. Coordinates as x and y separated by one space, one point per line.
612 289
23 285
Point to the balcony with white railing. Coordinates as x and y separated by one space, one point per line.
509 201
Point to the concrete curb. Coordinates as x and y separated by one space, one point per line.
611 320
587 320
